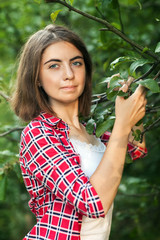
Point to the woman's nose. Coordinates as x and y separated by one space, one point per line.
68 72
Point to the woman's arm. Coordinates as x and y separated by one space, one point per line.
107 176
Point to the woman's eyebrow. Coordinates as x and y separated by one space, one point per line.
58 60
77 57
53 60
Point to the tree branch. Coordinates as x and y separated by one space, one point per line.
157 75
7 98
108 25
148 72
11 130
148 128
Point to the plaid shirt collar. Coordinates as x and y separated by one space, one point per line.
52 121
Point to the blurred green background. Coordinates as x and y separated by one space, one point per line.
137 205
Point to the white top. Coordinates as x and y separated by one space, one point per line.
92 228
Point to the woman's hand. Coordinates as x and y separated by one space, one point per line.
125 88
140 96
125 84
129 111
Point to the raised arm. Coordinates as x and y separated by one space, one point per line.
107 176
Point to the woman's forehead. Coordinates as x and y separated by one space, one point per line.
61 50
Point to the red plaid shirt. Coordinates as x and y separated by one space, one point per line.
59 190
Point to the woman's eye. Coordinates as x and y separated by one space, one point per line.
77 63
53 66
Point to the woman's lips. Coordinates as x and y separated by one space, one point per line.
69 88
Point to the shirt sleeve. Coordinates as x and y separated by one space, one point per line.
44 157
134 151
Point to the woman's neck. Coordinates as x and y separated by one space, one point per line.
68 113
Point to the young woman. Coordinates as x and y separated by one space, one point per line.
72 177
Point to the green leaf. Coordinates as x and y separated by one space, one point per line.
150 84
145 49
137 134
106 80
123 94
55 14
111 94
90 126
100 119
157 48
101 111
114 82
120 60
106 125
138 63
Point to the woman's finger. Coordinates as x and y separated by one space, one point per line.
126 84
116 75
130 80
124 88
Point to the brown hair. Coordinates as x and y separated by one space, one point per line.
29 99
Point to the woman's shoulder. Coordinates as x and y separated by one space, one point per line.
44 123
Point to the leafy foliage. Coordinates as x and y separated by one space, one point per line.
150 84
137 207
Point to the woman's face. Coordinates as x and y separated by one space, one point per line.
62 73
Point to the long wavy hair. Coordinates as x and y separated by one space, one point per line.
29 99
